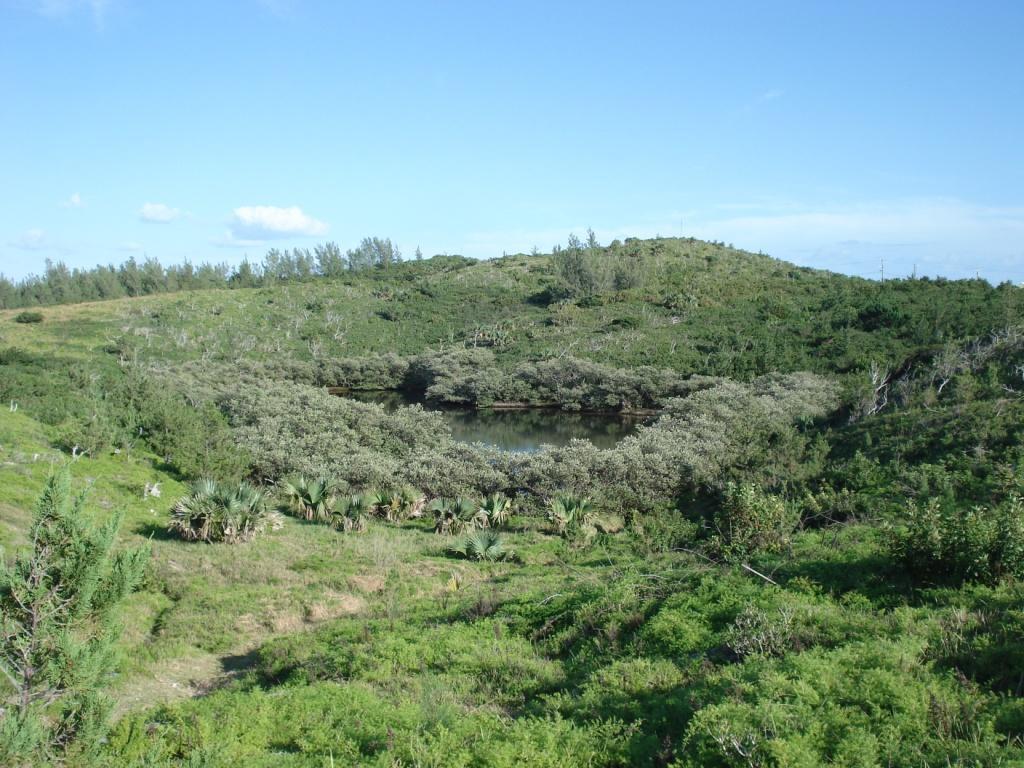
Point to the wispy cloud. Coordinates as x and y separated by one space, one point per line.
763 98
36 239
75 201
130 247
253 224
279 8
30 240
62 9
159 213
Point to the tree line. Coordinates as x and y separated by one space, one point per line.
60 285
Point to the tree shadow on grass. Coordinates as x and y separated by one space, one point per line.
875 577
155 531
236 663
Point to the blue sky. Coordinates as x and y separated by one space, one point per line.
832 134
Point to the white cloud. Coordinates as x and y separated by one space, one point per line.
75 201
256 223
30 240
60 9
130 246
36 239
158 212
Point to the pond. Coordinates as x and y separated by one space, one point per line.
521 429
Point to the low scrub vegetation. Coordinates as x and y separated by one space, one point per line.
810 553
749 521
482 545
221 512
952 544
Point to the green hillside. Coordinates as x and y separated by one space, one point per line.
810 554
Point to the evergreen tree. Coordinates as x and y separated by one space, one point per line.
131 277
57 630
245 276
330 261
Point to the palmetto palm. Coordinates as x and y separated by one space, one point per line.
411 501
220 512
351 513
247 512
452 516
497 509
570 513
310 499
483 545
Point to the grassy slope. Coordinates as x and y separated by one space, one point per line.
702 308
206 608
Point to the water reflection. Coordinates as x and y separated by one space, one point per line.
520 429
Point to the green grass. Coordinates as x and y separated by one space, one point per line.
701 308
312 647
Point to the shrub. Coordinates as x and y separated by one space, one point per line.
453 516
946 544
483 545
310 499
865 704
497 509
573 516
397 505
90 435
195 440
58 603
351 513
28 317
221 512
756 631
662 530
750 521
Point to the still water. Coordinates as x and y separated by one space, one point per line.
521 429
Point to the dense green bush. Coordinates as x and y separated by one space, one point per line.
92 434
945 543
28 317
749 521
225 512
194 440
309 498
867 704
660 530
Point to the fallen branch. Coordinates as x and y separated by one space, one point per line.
758 573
